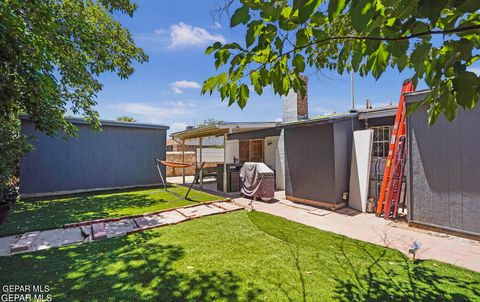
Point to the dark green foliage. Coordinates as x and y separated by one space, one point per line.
51 54
126 118
366 36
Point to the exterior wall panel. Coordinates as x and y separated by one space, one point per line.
444 171
118 156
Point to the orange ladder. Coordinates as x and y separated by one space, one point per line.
397 132
394 192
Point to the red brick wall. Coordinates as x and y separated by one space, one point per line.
302 101
190 157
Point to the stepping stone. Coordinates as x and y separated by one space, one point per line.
172 217
229 206
24 243
6 244
98 230
119 228
200 210
57 237
144 223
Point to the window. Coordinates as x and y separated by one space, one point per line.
251 150
381 140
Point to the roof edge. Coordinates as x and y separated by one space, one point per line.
80 121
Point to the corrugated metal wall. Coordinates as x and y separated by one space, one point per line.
118 156
444 170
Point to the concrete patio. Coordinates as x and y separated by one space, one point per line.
368 227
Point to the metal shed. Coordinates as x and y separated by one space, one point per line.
119 156
317 159
443 170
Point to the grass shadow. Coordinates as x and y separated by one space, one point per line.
132 268
400 280
55 212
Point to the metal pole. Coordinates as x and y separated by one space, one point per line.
225 163
183 161
201 162
353 90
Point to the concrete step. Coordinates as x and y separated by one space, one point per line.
24 243
98 231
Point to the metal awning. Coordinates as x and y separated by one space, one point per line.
379 112
255 134
220 129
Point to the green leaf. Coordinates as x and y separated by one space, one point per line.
302 38
469 6
253 30
434 112
466 85
431 9
299 62
243 95
233 94
241 15
335 7
362 13
306 8
378 60
221 57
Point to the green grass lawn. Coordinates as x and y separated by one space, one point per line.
53 213
238 256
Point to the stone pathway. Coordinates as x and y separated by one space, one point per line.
367 227
87 231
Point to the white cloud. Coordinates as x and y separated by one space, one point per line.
153 114
178 86
324 111
279 120
476 70
216 25
176 127
184 35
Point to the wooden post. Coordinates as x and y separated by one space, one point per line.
201 160
183 160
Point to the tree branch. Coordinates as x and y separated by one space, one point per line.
425 33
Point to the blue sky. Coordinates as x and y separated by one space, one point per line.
165 90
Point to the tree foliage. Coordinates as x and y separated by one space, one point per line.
51 54
126 118
209 122
437 39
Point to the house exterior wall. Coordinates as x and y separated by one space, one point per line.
443 170
233 150
269 147
317 162
343 136
117 156
309 163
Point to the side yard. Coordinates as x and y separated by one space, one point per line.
238 256
55 212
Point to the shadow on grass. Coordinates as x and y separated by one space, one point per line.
132 268
399 280
326 266
55 212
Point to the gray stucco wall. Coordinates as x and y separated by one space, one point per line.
317 161
118 156
444 170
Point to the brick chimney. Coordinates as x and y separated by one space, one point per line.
295 106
